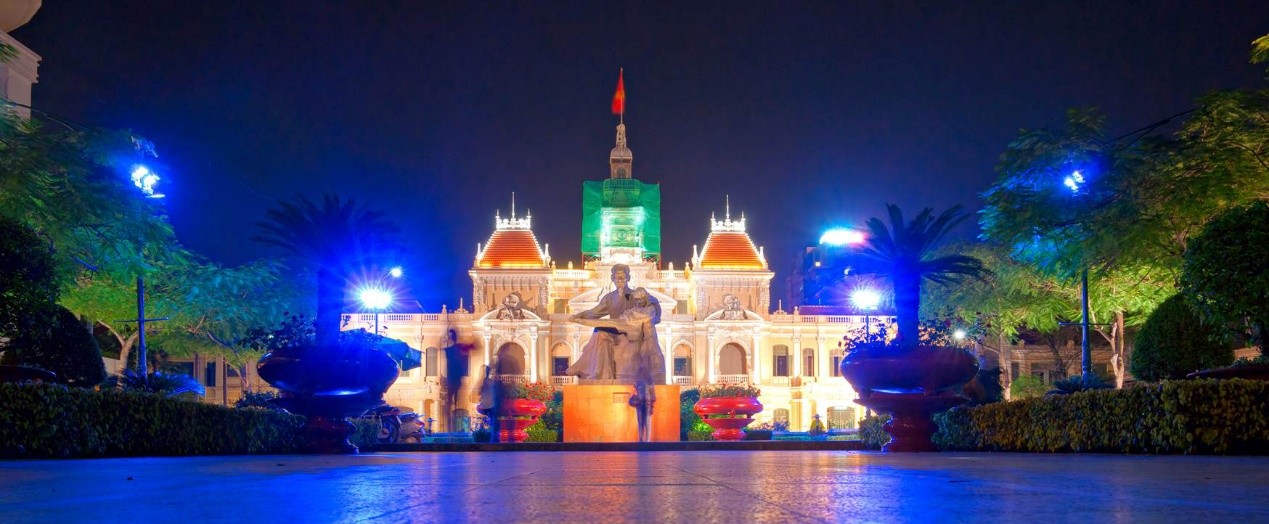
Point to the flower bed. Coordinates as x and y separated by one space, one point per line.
56 421
1191 416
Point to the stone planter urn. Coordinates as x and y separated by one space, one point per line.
328 385
728 415
911 385
518 415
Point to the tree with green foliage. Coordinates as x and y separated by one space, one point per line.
1175 341
1225 275
28 278
60 343
904 253
1027 386
337 238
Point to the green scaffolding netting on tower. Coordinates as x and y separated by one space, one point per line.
621 212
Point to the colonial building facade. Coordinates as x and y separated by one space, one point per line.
717 325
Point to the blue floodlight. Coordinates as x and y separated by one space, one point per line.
396 272
866 299
842 237
145 179
375 298
1075 181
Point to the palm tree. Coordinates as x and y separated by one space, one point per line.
904 253
335 238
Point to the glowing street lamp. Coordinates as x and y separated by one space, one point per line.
867 300
842 237
959 335
1075 181
145 179
396 272
375 299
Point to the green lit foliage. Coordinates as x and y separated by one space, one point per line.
1187 416
28 279
1027 386
60 343
872 431
1225 271
904 252
73 187
336 238
687 415
1175 341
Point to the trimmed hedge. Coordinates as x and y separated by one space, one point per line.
872 431
1191 416
365 433
57 421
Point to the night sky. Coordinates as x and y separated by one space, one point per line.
808 115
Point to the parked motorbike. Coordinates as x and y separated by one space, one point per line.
389 422
411 428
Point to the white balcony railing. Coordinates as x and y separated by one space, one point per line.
680 380
728 380
563 380
514 379
780 381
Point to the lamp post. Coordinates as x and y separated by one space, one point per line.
867 300
1075 182
144 179
375 299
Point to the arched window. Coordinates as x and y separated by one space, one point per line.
731 360
780 361
430 367
559 359
511 359
683 361
808 362
835 369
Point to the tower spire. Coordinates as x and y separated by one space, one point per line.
726 207
513 204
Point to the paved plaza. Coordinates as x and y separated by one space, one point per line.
663 486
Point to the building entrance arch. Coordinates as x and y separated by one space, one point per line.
510 359
731 360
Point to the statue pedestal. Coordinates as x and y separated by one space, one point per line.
600 413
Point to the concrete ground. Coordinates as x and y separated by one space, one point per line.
662 486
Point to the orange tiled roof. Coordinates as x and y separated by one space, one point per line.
514 248
730 250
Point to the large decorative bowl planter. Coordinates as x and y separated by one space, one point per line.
911 385
728 415
518 415
327 386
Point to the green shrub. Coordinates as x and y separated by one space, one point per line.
757 434
1027 387
56 421
1174 341
1078 383
1190 416
365 433
538 432
553 419
872 431
256 399
700 436
62 344
688 418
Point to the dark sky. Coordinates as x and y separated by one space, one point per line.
808 115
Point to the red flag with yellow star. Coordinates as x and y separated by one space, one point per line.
619 98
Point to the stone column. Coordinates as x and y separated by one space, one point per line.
533 356
755 359
795 353
710 376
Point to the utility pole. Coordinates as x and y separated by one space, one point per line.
141 320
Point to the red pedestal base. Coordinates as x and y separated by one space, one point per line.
911 426
738 411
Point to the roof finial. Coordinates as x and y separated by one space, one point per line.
726 209
513 204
